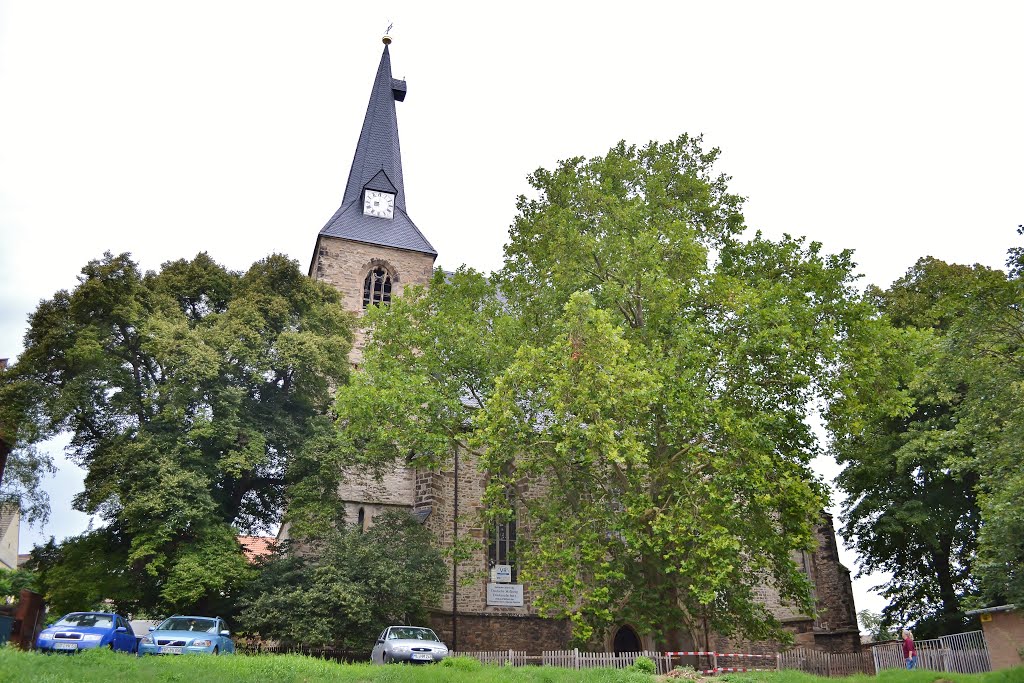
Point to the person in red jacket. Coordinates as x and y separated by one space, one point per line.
909 649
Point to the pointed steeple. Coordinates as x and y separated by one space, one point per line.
377 166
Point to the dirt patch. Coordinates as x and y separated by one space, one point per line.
683 675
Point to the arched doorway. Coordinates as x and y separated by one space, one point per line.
626 640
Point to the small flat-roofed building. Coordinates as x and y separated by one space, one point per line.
1004 632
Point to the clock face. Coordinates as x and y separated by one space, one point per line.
380 204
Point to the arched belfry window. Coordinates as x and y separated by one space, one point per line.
377 287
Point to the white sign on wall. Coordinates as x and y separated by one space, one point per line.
505 594
501 573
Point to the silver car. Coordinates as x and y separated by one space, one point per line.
413 644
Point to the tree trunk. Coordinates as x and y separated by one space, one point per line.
5 450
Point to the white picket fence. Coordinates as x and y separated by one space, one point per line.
569 659
810 661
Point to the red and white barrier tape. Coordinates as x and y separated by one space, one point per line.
717 654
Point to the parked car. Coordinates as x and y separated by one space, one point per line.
413 644
87 630
180 635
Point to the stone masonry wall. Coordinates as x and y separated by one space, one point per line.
833 587
481 632
345 264
394 488
473 575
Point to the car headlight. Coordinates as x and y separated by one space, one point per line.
401 648
45 636
92 637
147 640
201 643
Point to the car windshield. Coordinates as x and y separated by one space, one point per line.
196 624
86 620
412 633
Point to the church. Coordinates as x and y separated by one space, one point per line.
370 250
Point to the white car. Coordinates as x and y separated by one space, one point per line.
412 644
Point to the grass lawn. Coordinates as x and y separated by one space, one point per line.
1015 675
106 667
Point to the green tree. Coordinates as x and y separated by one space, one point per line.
13 581
645 369
990 341
431 357
910 476
190 395
875 625
86 571
22 465
344 587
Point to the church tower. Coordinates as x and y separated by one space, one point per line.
370 249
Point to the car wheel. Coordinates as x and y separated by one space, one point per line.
387 659
216 650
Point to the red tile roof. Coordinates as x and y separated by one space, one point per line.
256 547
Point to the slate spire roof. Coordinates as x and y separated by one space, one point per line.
377 165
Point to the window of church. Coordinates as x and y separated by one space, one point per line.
377 288
501 545
361 519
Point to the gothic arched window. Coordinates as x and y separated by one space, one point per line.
501 546
377 287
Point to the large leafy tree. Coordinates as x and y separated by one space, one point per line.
912 507
344 586
190 395
990 340
934 488
22 465
641 384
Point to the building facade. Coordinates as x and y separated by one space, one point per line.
1003 627
10 521
370 250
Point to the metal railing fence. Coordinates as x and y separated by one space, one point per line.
965 653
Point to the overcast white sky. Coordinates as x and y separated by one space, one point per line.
169 128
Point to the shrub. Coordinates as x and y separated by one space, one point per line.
461 663
644 665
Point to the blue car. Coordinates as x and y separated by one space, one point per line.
180 635
87 630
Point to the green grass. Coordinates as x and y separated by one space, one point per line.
1015 675
102 666
111 667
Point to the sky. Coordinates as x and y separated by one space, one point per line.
165 129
